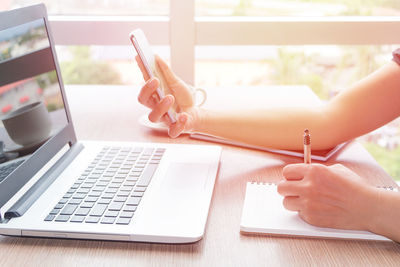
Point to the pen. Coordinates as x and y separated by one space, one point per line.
307 146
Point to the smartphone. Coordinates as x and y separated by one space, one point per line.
145 53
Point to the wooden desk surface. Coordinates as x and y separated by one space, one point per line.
111 113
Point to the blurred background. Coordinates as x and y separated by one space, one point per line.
326 69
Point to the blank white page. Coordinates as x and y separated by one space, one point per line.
263 212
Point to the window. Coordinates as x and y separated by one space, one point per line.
297 8
335 42
100 7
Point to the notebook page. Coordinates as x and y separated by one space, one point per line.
263 212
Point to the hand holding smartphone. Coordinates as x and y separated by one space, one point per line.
145 53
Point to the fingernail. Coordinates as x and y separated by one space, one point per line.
168 100
152 82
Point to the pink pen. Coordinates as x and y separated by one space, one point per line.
307 146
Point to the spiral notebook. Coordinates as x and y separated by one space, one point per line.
321 155
264 213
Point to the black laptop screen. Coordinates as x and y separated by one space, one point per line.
31 104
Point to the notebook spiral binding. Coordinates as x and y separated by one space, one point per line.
262 183
389 188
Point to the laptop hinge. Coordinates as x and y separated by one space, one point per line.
26 201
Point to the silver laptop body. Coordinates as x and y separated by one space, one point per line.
63 188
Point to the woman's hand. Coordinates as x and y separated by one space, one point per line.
181 99
328 196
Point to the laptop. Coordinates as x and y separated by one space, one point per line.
60 187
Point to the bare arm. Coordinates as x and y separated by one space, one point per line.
367 105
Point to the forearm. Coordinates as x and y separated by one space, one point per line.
276 128
365 106
385 214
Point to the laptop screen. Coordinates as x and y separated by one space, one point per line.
31 104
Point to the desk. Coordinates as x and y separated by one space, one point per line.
111 113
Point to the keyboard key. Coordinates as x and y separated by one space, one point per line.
111 190
145 178
115 185
94 194
107 220
129 208
148 151
87 205
79 196
55 211
123 193
71 191
83 191
134 201
68 209
140 189
98 210
137 194
115 206
131 179
101 184
137 150
99 188
62 218
111 213
63 201
59 206
77 219
104 201
87 185
123 221
49 218
75 201
126 214
120 199
126 188
92 219
110 196
82 211
91 199
67 195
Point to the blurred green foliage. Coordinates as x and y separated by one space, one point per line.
353 7
388 159
82 69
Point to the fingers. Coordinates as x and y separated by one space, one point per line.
161 108
148 91
290 188
292 203
295 171
142 68
177 128
166 70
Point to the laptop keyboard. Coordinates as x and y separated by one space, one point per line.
9 168
111 188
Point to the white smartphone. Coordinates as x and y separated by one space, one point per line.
145 53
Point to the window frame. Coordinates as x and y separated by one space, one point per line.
183 31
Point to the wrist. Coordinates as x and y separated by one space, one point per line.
367 213
199 116
375 210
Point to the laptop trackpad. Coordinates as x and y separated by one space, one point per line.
180 205
185 178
